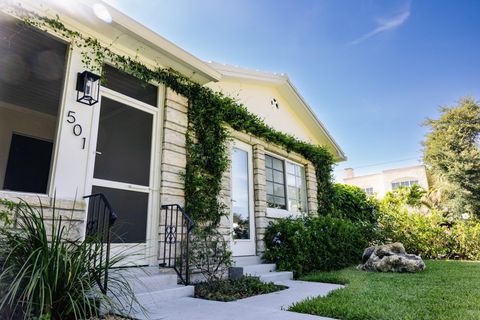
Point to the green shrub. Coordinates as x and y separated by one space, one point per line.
352 203
315 243
43 275
230 290
209 253
7 211
426 231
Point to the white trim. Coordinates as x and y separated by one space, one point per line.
126 100
245 247
281 213
149 248
60 115
120 185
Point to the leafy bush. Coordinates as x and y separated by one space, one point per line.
315 243
7 211
427 231
230 290
45 276
352 203
209 253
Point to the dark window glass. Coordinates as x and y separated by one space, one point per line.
129 85
124 144
275 173
132 210
28 164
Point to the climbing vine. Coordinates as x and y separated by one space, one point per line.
208 114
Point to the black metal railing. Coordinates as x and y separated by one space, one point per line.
175 229
100 220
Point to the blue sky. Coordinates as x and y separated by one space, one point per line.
372 70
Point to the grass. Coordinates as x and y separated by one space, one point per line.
230 290
445 290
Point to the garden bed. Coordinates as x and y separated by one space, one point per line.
231 290
445 290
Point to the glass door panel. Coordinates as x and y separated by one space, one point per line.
123 144
243 218
240 194
123 166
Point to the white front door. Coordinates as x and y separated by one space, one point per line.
124 172
243 217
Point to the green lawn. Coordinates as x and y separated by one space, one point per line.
444 290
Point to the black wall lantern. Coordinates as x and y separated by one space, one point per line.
88 87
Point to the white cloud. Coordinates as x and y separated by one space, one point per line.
385 25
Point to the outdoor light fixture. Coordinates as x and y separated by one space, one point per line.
88 87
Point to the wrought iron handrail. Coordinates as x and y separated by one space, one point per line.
100 220
176 227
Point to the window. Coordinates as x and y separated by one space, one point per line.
297 200
32 71
404 183
129 85
275 174
368 190
286 187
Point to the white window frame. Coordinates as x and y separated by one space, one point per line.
283 213
400 183
367 189
150 248
50 192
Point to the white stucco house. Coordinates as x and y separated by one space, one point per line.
387 180
130 146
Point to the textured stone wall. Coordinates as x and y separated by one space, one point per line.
72 213
174 160
173 156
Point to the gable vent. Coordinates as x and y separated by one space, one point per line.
274 103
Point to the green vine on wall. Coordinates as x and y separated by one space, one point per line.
207 134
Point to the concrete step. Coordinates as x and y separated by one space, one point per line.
258 269
251 270
148 301
146 279
276 276
153 283
246 261
141 271
168 293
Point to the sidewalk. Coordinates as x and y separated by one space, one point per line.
268 306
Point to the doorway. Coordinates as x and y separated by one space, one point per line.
243 217
124 172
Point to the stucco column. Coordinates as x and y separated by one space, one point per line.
173 155
173 150
260 196
311 180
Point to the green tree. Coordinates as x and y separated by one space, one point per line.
452 153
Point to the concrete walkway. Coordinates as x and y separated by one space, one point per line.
269 306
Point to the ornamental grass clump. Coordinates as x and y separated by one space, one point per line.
44 275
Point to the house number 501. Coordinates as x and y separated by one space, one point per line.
77 129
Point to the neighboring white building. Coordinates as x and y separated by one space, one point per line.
382 182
